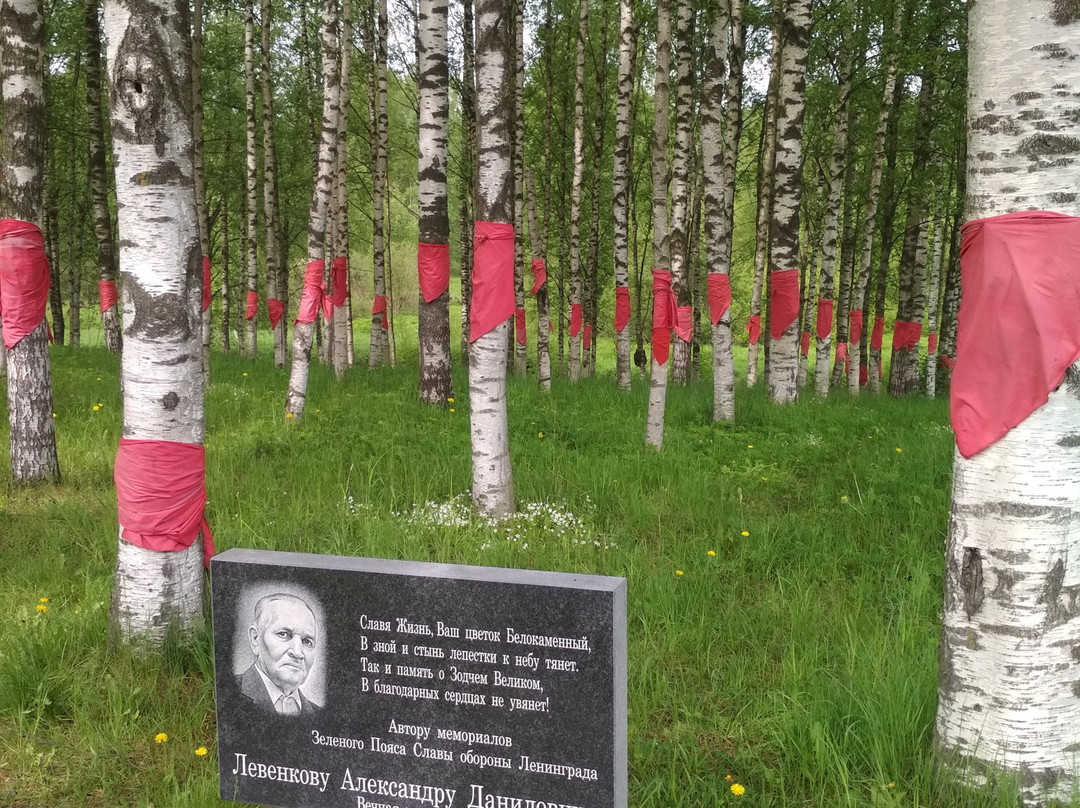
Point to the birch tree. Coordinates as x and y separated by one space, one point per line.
156 591
22 142
538 244
434 102
787 178
200 179
621 189
277 270
1007 676
492 478
99 181
379 348
310 305
681 206
251 220
340 282
574 343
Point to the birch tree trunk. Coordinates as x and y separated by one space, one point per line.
52 248
870 215
98 173
830 255
787 192
276 257
1008 665
197 169
680 186
621 180
22 143
226 307
538 240
950 298
379 349
933 287
434 101
468 179
251 222
155 593
654 419
574 341
520 345
599 136
492 477
304 333
340 321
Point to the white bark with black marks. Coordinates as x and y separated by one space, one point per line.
538 241
933 284
338 330
276 253
161 269
1007 681
197 163
681 191
621 177
251 223
574 341
379 344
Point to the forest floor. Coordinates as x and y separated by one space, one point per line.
784 573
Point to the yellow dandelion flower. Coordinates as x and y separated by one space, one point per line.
763 479
844 498
712 553
678 573
749 446
243 374
161 737
450 400
101 403
746 532
737 789
41 607
539 434
96 408
892 785
288 415
43 600
452 410
54 415
201 751
99 378
899 449
727 777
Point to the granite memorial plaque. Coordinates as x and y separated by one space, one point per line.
361 683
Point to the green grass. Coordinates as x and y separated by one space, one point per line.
799 660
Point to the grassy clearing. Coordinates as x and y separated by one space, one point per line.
785 574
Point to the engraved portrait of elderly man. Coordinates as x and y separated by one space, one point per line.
284 642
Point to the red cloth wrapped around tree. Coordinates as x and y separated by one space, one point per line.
684 322
841 355
586 339
274 309
519 326
492 277
719 295
864 374
906 335
312 296
1017 329
433 265
161 495
575 319
252 305
855 324
753 327
206 282
804 344
106 295
783 301
931 343
339 278
24 279
878 334
823 326
379 307
664 315
539 271
622 307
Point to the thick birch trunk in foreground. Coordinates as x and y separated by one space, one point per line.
681 205
304 333
434 102
492 477
98 174
1007 684
787 191
22 142
161 268
654 419
621 178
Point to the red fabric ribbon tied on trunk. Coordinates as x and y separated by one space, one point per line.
906 335
433 264
252 305
622 307
586 339
312 296
24 279
878 334
575 319
1017 329
106 295
719 295
492 278
753 327
519 325
539 271
783 301
161 495
206 282
824 318
684 322
931 343
804 343
664 315
339 279
274 309
379 307
855 324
